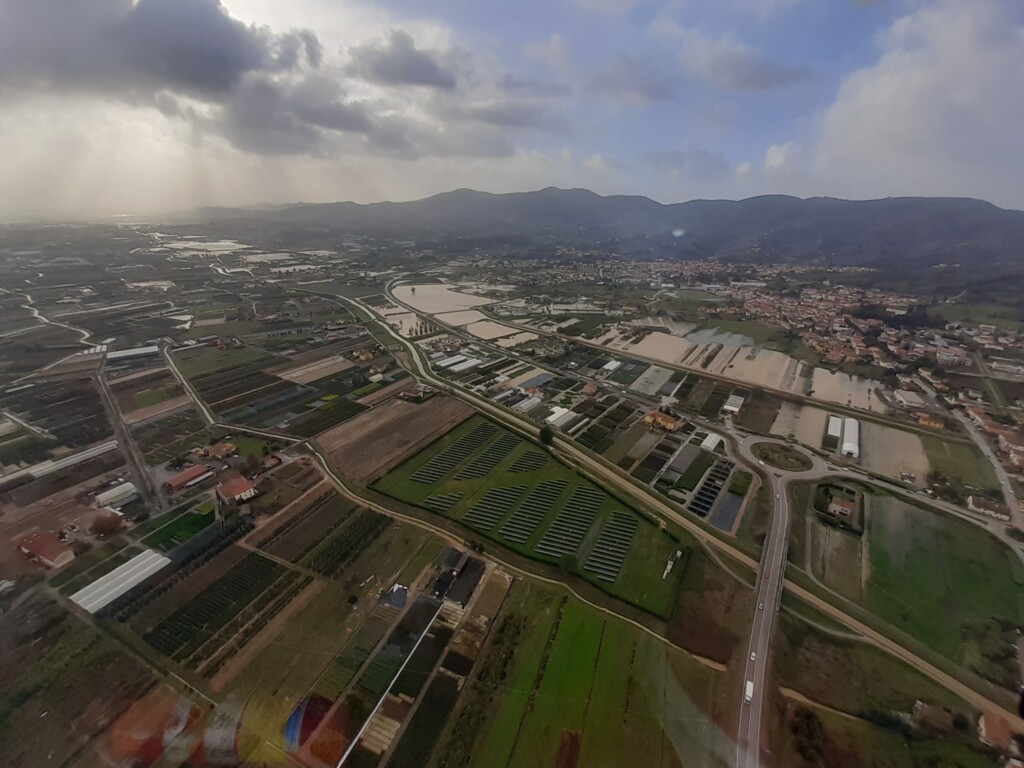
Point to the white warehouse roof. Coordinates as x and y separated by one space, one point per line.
123 354
851 438
711 442
108 588
835 427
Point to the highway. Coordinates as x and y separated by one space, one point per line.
771 570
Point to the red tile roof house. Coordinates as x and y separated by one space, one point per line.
44 547
234 488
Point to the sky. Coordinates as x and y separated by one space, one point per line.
132 106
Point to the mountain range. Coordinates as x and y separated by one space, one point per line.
914 230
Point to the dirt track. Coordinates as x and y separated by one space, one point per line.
374 442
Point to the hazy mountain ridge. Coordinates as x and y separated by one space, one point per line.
924 230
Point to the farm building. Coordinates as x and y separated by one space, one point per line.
132 354
665 421
834 428
44 547
733 404
711 442
840 507
108 588
851 438
234 488
194 475
465 583
909 399
221 451
117 497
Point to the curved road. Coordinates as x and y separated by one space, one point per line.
771 576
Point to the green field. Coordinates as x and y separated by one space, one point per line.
689 479
876 746
939 579
562 678
179 530
640 579
961 461
200 360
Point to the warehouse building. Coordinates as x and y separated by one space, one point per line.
851 438
187 478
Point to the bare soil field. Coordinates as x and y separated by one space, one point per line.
134 417
372 443
384 393
307 372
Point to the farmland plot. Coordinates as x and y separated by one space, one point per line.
477 475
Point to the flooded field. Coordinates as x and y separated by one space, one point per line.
209 246
662 346
845 390
805 423
889 452
488 329
651 380
438 298
406 323
755 365
462 317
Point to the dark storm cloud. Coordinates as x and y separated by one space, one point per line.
262 92
631 79
692 163
187 46
399 62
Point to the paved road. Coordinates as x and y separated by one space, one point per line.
768 593
1009 497
771 571
129 448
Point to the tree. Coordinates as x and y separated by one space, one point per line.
547 435
106 524
252 461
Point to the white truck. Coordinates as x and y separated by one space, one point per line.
748 692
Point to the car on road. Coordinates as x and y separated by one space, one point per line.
777 496
760 606
753 655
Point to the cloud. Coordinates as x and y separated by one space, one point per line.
607 6
632 80
939 113
554 51
399 62
691 163
725 62
519 85
518 114
781 157
117 46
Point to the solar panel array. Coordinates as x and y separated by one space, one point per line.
444 502
568 529
524 521
491 457
528 462
707 493
612 545
493 506
441 465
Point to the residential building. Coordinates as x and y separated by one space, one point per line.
44 547
663 420
234 489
